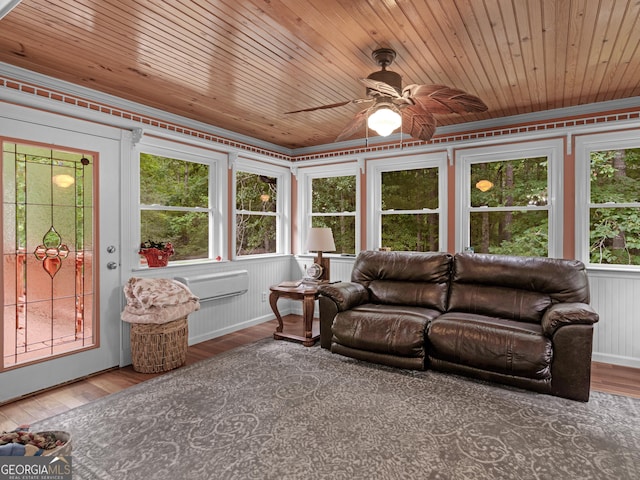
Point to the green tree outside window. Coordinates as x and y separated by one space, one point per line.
174 205
410 221
510 207
333 205
256 214
614 216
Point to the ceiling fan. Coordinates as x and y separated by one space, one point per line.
412 107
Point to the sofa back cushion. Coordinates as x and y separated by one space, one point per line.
405 278
516 288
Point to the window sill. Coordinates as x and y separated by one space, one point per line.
332 256
181 264
633 270
262 256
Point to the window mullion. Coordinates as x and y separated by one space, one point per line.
615 205
409 212
333 214
254 212
174 209
528 208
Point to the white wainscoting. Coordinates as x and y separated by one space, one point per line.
614 295
226 315
616 298
218 317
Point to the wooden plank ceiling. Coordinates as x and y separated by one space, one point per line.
241 64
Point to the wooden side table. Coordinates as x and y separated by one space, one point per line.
307 294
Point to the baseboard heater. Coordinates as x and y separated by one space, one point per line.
211 286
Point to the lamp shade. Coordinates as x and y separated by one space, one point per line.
320 239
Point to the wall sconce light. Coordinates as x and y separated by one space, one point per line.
63 180
385 118
484 185
321 240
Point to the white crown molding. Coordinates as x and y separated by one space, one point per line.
6 6
542 116
491 124
21 74
326 153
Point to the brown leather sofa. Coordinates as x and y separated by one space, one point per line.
521 321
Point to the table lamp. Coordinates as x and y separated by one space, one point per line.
321 240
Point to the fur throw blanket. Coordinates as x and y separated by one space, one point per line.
157 300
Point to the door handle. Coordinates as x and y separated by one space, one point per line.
112 265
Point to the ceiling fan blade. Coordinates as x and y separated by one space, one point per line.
333 105
443 99
418 122
380 87
353 126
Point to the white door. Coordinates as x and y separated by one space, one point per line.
30 126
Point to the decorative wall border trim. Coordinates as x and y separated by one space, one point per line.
572 122
533 127
67 99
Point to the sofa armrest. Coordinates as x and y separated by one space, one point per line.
334 298
346 295
562 314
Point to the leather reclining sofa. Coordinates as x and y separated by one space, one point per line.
521 321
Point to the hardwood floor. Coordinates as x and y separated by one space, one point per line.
615 379
605 378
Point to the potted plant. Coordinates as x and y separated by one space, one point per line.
156 253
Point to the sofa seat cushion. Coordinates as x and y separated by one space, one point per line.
498 345
391 329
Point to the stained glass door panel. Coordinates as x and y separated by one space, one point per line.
47 253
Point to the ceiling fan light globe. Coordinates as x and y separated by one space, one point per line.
384 121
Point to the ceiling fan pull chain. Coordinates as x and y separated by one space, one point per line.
366 134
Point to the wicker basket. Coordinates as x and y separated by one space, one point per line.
62 450
159 347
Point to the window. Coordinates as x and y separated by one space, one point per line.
610 170
333 205
256 214
262 194
330 200
406 203
508 200
175 205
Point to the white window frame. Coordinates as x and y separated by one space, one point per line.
217 190
584 146
305 178
552 149
283 205
375 169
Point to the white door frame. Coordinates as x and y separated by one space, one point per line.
32 125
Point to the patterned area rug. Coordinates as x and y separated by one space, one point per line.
278 410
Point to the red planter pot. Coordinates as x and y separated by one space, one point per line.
155 257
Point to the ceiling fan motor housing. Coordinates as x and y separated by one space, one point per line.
385 57
390 78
